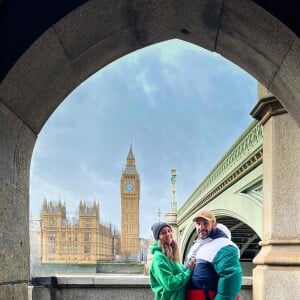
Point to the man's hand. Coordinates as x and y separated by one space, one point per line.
191 263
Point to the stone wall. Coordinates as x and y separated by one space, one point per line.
102 287
120 268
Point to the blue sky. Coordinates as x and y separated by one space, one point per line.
181 105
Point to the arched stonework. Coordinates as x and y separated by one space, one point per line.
47 55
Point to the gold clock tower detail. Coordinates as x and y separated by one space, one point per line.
130 201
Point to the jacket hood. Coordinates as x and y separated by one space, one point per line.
155 248
218 233
224 229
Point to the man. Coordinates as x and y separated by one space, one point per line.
217 273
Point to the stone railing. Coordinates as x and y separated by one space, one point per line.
242 157
102 287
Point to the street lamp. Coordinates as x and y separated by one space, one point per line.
173 189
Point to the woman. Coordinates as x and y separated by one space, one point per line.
167 275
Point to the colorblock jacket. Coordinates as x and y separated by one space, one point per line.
167 278
217 266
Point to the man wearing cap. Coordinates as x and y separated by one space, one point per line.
217 273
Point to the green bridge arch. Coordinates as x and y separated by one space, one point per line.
233 191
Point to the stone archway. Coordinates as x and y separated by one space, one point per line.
81 41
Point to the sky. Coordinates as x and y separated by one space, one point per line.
181 106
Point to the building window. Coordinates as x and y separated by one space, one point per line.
87 236
87 249
88 223
51 221
52 249
51 236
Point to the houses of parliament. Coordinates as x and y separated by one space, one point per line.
87 240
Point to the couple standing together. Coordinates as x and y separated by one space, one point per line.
212 269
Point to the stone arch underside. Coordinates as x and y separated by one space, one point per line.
93 35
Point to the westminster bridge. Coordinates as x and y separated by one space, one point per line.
233 191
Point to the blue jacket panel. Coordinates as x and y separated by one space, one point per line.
204 276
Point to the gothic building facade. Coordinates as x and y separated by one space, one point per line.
130 200
85 240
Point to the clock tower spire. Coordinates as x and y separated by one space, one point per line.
130 162
130 200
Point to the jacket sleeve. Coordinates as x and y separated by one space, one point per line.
227 265
164 273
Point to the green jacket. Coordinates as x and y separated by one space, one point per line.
227 265
167 278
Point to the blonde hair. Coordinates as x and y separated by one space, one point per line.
170 250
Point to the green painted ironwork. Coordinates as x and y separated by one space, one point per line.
244 155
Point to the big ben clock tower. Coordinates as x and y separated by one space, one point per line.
130 200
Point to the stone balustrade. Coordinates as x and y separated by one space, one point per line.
102 287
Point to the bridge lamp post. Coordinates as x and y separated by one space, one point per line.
173 189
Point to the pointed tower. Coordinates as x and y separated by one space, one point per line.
130 201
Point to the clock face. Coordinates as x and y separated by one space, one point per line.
129 187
